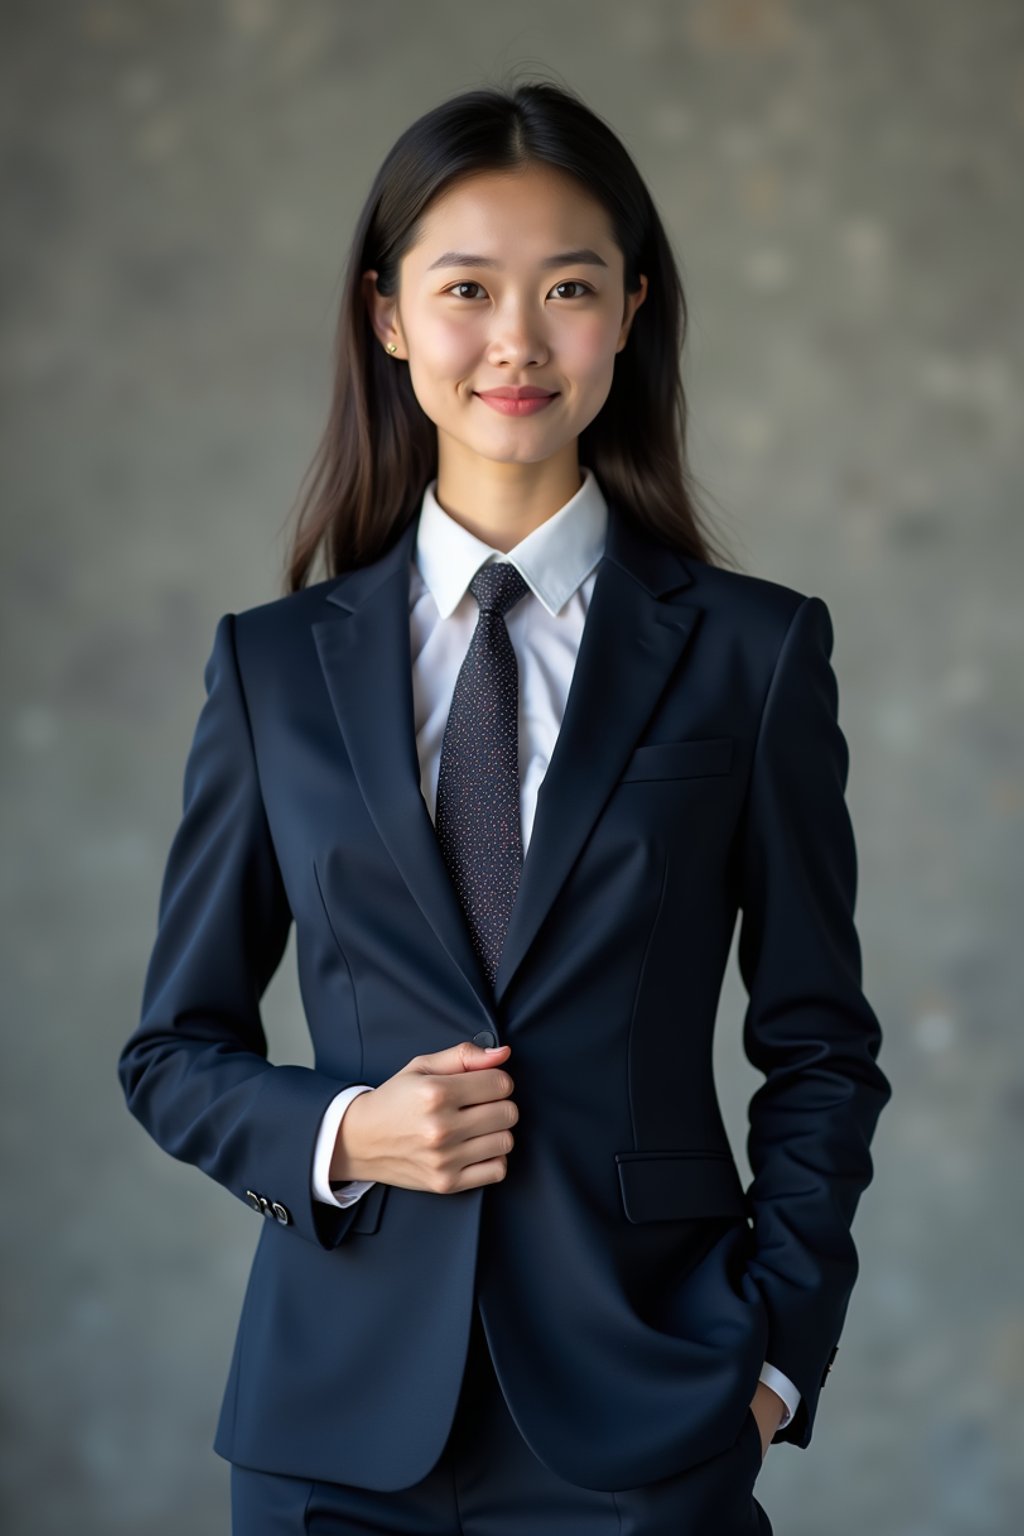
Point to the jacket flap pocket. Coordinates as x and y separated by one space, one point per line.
680 759
680 1186
367 1218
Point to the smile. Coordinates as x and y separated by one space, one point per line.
509 407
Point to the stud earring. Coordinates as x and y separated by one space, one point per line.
392 347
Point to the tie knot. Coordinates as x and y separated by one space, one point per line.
498 586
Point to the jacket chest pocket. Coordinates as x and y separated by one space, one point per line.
680 759
680 1186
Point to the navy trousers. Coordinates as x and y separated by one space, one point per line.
487 1482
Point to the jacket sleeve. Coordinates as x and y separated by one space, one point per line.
808 1026
195 1071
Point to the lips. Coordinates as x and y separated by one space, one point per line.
516 402
527 392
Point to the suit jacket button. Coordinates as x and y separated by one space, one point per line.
485 1037
281 1212
253 1199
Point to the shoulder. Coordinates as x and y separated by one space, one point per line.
758 610
295 610
765 627
269 628
289 608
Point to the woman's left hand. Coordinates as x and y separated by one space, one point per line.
768 1409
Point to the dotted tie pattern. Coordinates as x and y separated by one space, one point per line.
477 811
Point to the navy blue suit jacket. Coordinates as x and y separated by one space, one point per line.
630 1286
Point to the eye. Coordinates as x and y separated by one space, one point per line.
569 282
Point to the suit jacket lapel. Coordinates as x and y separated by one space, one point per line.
366 659
631 641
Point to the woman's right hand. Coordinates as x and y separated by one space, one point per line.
441 1124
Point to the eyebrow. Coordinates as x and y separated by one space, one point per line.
584 257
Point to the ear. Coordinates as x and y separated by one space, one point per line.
633 302
383 313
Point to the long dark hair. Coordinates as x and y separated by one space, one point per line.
379 448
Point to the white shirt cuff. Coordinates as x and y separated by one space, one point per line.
784 1387
327 1136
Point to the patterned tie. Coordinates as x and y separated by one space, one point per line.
477 811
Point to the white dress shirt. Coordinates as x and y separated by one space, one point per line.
559 561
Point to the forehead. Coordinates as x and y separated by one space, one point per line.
514 218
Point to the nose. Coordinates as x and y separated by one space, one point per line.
517 338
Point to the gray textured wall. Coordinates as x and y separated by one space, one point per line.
842 184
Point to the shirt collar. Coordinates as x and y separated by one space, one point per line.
554 559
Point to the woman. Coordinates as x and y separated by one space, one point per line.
513 768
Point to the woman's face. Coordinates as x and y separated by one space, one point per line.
515 280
